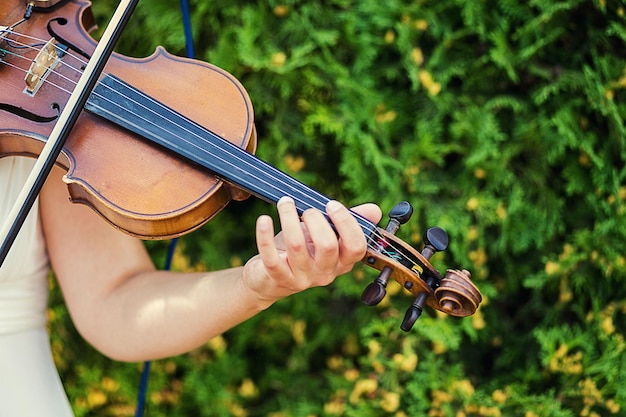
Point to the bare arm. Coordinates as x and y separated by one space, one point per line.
130 311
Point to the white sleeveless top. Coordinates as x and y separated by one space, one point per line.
23 275
29 382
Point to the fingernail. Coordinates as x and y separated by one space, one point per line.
264 223
333 206
285 200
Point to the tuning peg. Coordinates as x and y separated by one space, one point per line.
435 240
399 215
376 291
414 312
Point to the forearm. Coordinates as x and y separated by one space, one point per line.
159 314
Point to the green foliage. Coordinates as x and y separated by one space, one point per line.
502 121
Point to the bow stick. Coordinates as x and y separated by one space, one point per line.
65 123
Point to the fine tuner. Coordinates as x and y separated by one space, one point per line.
453 294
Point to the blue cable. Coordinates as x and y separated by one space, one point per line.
145 373
184 6
143 388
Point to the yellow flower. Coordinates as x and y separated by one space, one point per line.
490 411
235 261
552 267
421 24
351 346
96 399
386 117
439 348
109 384
248 389
236 410
584 160
378 367
565 294
567 364
417 56
406 363
478 256
612 406
478 321
335 407
374 348
281 10
472 233
390 36
607 325
334 362
501 211
426 79
363 386
480 173
217 344
169 367
297 331
390 401
440 397
351 374
294 163
278 59
472 204
499 396
591 394
463 387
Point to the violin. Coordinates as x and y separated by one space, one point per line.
164 143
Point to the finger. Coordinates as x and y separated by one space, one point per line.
324 243
293 235
267 246
352 242
370 211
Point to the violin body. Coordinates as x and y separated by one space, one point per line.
135 185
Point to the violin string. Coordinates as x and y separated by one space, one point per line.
22 46
371 241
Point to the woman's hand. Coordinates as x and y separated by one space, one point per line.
123 306
307 252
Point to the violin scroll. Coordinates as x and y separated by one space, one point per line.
455 294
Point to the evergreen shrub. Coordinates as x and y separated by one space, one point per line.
501 121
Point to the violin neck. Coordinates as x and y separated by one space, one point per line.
117 101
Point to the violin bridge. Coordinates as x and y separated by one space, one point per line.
45 61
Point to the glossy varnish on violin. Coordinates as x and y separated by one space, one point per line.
137 186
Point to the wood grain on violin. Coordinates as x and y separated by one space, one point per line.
159 155
136 186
